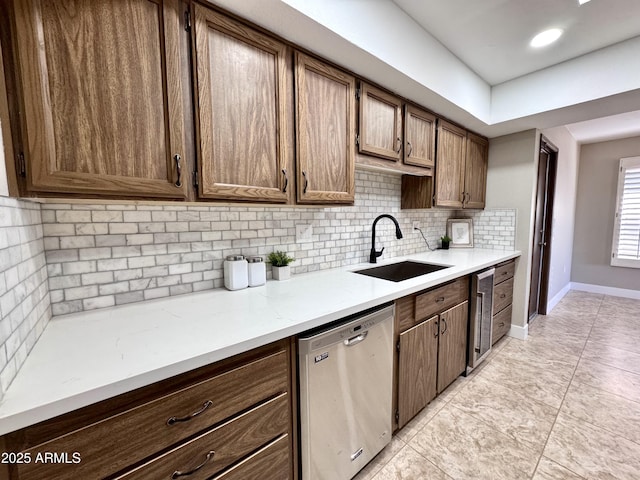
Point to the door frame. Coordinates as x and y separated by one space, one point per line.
549 190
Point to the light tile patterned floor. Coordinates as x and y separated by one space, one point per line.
564 404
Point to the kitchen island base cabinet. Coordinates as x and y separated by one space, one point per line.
236 408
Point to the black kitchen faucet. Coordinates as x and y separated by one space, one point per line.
374 254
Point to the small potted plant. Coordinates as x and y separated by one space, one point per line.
445 242
280 262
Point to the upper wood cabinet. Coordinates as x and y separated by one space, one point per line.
380 132
461 169
475 171
244 111
419 137
102 96
325 132
449 190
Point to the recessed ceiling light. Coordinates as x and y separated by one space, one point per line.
582 2
546 38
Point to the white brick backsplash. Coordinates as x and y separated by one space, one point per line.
153 251
24 296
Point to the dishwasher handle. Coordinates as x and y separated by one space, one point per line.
350 342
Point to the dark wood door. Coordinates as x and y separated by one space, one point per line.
244 103
450 152
452 350
420 137
417 367
541 242
380 126
103 104
325 132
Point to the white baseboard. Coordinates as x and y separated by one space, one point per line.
554 301
519 332
613 291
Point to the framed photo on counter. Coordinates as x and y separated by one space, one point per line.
460 230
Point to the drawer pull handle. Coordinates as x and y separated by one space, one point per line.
439 299
504 295
174 420
178 473
501 324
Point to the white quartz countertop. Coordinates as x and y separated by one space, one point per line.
87 357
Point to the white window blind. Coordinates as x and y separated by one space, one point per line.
626 231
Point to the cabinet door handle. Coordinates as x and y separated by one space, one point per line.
306 181
445 326
177 159
437 329
174 420
286 180
468 197
178 473
399 143
410 149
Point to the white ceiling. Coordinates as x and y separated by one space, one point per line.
469 60
492 36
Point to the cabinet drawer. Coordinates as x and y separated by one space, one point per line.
504 272
270 462
502 295
208 454
501 324
405 313
441 298
121 440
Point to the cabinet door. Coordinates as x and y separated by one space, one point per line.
420 137
380 123
451 150
244 110
417 366
325 132
475 172
102 96
452 353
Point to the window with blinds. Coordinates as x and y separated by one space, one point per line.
626 232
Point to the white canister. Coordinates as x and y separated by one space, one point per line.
257 271
236 272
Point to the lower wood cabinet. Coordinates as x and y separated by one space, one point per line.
217 422
431 344
502 299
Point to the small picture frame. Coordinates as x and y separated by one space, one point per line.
460 230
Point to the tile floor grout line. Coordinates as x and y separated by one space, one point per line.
565 396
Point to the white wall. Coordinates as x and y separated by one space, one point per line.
596 204
511 183
564 207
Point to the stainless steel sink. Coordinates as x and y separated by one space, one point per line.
397 272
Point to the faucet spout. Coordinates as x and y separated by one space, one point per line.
374 254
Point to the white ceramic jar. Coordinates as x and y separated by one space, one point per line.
257 271
236 272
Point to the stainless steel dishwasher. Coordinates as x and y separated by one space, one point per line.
346 380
